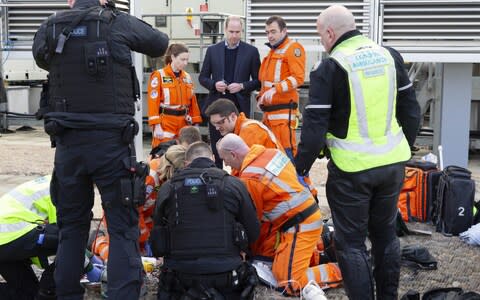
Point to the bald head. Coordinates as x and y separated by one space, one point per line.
332 23
232 149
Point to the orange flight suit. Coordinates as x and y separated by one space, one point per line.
171 103
254 132
280 199
284 69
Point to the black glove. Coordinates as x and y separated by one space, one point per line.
248 280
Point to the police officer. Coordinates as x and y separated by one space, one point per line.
362 106
87 51
208 217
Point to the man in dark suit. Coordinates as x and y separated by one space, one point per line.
230 70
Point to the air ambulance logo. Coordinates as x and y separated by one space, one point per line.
154 82
153 95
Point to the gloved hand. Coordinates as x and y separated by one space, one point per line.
148 250
158 131
301 179
95 274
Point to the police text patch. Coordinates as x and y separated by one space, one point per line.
192 181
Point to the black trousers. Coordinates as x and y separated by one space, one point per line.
16 269
84 158
365 204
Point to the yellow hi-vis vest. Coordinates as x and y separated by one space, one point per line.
24 207
374 137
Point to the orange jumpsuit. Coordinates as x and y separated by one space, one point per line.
284 69
254 132
279 198
171 103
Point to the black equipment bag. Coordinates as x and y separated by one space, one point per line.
455 199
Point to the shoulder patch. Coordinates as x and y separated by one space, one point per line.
316 65
153 94
187 80
297 52
277 164
167 79
154 82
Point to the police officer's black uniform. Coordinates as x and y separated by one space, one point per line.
87 52
202 217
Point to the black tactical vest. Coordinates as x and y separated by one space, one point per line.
199 225
85 78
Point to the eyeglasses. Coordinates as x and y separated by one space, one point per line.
220 122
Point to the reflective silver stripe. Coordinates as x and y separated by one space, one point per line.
293 81
153 117
154 175
310 106
278 70
369 148
285 206
166 91
14 226
284 85
28 200
264 127
168 134
405 87
391 97
307 227
311 274
278 65
164 105
323 273
255 170
277 116
268 84
282 185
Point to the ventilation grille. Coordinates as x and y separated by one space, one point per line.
300 16
430 26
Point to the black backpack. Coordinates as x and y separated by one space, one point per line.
455 198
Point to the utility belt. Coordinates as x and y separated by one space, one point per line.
300 217
270 108
173 112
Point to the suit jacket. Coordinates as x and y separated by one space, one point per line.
246 72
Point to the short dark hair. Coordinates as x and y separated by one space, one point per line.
189 135
223 107
198 149
280 21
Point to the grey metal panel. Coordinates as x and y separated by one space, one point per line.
431 26
300 16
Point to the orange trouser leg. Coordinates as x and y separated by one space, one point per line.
284 132
171 126
100 247
292 260
326 275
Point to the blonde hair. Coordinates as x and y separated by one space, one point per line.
171 161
